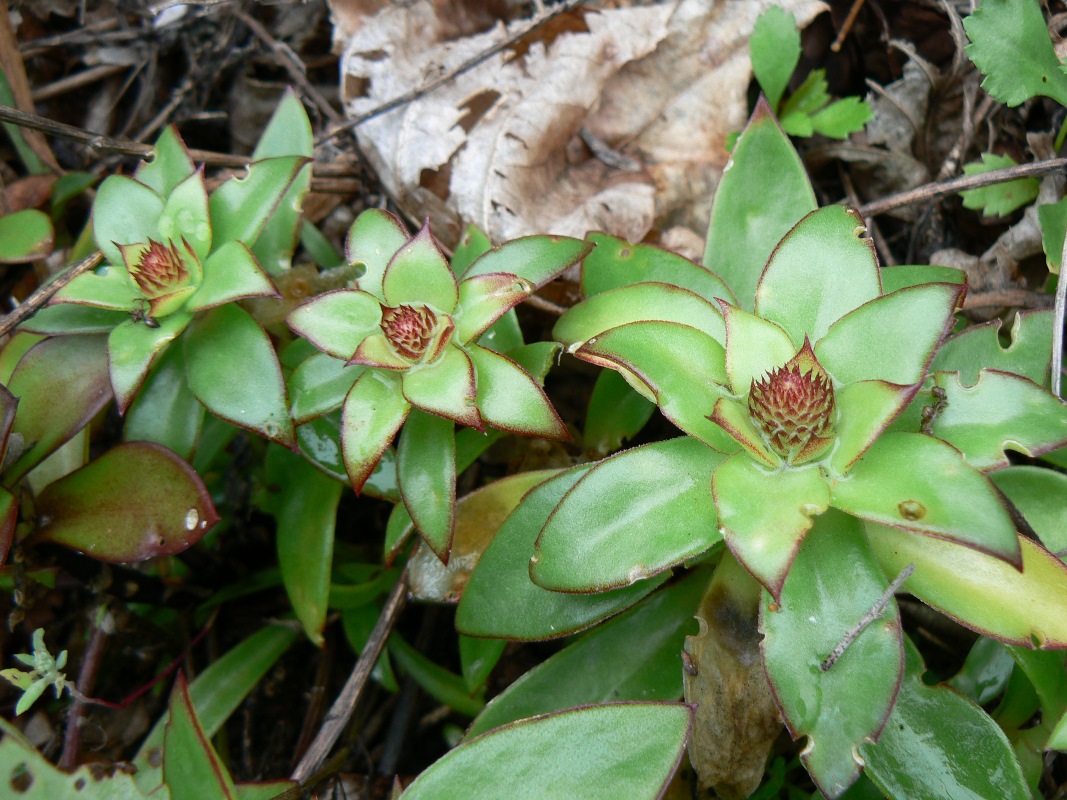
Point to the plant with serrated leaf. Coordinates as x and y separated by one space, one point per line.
830 445
404 352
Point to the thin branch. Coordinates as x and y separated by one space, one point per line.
90 664
1057 326
939 189
345 704
390 105
44 293
868 618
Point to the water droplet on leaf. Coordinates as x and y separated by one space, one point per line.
192 517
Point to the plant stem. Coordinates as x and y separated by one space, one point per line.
867 619
91 659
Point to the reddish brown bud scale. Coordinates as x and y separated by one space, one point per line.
159 269
409 329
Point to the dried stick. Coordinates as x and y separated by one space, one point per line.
850 20
15 70
868 618
534 23
341 711
94 652
44 293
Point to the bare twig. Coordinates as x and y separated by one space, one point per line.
77 81
846 27
341 711
868 618
534 23
939 189
90 663
15 71
44 293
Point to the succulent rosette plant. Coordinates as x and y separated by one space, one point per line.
175 260
822 450
402 352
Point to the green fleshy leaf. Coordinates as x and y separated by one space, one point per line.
377 351
812 95
230 273
744 226
133 347
336 322
834 582
510 399
1053 220
241 207
192 769
185 216
109 286
980 591
754 346
616 413
306 511
234 371
473 244
73 368
1002 198
914 319
615 527
478 658
638 303
125 212
166 411
484 299
373 239
135 502
1000 412
441 684
65 318
534 259
1011 46
9 511
1032 490
445 387
320 443
317 247
735 419
978 347
632 657
916 482
537 358
775 46
319 385
25 235
682 367
419 273
1045 670
823 269
937 744
170 163
906 275
373 412
605 751
614 263
842 118
985 672
864 409
504 335
426 474
765 536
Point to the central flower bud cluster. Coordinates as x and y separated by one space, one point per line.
158 270
409 329
794 407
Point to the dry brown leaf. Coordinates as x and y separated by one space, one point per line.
655 89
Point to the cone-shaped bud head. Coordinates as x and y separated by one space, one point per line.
793 406
409 329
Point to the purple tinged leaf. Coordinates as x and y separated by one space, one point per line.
9 514
864 410
241 207
319 385
754 346
125 212
734 418
446 388
373 412
192 769
978 347
419 273
109 286
8 406
484 299
376 351
132 348
65 318
336 322
534 259
510 399
165 411
135 502
426 475
231 273
372 241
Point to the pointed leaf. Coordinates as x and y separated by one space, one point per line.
9 514
473 244
682 367
320 443
319 385
754 346
192 769
135 502
230 273
632 657
735 419
370 417
510 399
377 351
445 387
616 526
483 299
1030 489
165 411
744 227
775 45
534 259
1000 412
864 410
25 235
125 211
108 286
822 269
978 347
834 583
419 273
616 413
640 302
905 275
426 475
764 536
58 320
185 216
913 319
133 347
978 590
336 322
241 206
500 600
913 481
306 511
73 368
170 163
626 750
372 241
234 371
